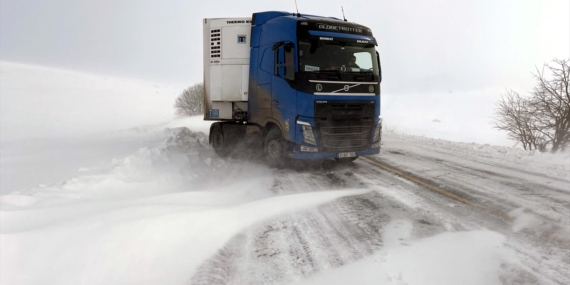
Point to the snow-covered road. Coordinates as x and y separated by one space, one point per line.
525 213
172 212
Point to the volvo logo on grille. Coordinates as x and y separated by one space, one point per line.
346 87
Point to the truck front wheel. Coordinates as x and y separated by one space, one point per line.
273 148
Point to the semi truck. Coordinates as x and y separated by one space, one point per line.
292 86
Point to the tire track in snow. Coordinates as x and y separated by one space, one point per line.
430 185
295 246
499 187
301 244
545 256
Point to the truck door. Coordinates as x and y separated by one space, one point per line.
284 98
264 78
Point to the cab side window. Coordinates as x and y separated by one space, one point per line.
285 61
278 60
289 61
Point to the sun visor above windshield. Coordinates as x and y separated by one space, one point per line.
331 36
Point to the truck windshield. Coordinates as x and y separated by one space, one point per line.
322 56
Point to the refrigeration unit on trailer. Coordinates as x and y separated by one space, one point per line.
297 86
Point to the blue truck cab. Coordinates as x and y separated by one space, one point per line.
310 86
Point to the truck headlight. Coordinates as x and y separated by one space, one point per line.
378 131
308 135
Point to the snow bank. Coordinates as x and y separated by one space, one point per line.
525 220
29 163
555 165
180 159
151 219
55 122
449 258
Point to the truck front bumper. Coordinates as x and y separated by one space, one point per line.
297 154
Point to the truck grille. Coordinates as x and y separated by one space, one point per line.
345 110
344 138
344 125
344 130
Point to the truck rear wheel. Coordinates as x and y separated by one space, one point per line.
217 139
273 148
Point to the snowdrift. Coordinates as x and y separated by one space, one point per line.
151 218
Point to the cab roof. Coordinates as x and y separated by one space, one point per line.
262 17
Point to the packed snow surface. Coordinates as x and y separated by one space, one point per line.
157 214
147 201
469 258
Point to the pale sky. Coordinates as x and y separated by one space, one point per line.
425 46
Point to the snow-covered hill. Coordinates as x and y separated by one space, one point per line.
46 103
54 121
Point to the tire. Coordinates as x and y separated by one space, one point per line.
345 159
217 139
273 148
